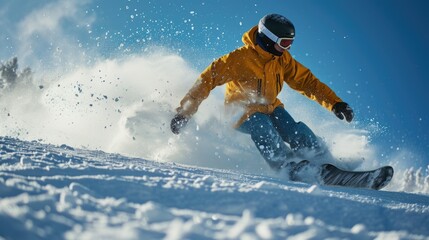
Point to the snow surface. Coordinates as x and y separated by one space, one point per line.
60 192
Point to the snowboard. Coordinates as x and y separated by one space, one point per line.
328 174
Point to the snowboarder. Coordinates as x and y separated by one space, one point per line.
254 75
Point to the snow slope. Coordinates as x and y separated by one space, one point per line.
59 192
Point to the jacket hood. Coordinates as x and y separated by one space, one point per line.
249 37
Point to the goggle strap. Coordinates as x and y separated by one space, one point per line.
267 32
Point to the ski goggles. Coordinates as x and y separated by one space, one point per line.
283 42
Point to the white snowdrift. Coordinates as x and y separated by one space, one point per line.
58 192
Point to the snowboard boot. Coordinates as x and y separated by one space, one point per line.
294 169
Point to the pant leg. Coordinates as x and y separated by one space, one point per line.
297 134
267 139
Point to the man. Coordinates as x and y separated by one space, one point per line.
254 75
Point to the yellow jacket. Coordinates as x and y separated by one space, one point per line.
254 78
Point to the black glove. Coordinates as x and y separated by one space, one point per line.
341 110
177 123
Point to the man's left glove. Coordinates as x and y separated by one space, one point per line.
341 110
177 123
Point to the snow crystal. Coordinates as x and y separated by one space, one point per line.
241 225
358 229
314 189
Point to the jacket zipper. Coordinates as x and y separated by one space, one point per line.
259 90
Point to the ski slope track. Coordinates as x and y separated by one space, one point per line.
59 192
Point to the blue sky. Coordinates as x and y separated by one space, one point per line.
372 53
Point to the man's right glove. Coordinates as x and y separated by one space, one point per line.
341 110
177 123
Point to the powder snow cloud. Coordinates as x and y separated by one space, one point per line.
41 38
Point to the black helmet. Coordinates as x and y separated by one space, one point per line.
272 27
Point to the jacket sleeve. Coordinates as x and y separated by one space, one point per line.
217 73
301 79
